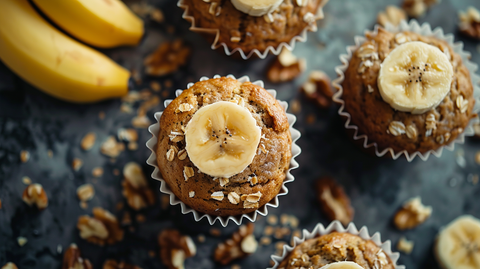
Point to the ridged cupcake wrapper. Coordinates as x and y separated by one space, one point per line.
263 210
336 226
302 37
426 30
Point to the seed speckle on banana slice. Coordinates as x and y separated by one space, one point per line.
415 77
458 244
222 139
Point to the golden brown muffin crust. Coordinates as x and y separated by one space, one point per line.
336 247
270 164
254 32
373 116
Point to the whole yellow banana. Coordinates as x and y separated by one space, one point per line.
54 62
101 23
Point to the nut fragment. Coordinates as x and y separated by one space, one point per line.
72 259
285 67
113 264
77 164
103 228
405 246
34 194
111 148
392 15
21 241
333 201
10 265
175 248
412 214
317 89
128 135
24 156
167 58
85 192
135 187
417 8
97 172
470 22
241 244
88 141
141 121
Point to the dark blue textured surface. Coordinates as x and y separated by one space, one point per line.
30 120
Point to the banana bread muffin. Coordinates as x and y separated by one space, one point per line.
277 22
336 247
224 147
407 92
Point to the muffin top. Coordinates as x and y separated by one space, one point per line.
240 30
402 130
198 186
335 247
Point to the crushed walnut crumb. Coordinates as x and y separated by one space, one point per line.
77 164
318 89
175 248
470 22
85 192
34 194
241 244
167 58
392 15
412 214
26 180
88 141
72 259
97 172
135 187
24 156
285 67
111 147
334 201
21 241
417 8
405 245
103 228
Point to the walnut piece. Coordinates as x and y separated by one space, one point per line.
175 248
88 141
333 201
412 214
85 192
111 148
318 89
405 246
135 187
392 15
285 67
102 229
72 259
9 265
470 22
34 194
417 8
240 245
112 264
24 156
167 58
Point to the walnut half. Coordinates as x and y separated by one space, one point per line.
135 187
102 229
34 194
412 214
113 264
241 244
333 201
72 259
470 22
285 67
175 248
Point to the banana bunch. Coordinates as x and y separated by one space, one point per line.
59 65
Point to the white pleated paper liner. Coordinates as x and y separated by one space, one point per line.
336 226
425 30
302 37
263 210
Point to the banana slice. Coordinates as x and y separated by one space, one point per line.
415 77
222 139
458 244
342 265
256 7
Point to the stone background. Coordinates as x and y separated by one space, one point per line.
33 121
